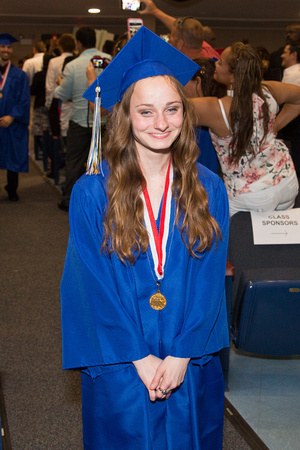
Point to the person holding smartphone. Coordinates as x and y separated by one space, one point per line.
73 85
186 33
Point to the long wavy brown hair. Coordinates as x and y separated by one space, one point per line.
246 65
125 232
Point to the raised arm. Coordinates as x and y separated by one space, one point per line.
152 10
289 95
288 113
284 92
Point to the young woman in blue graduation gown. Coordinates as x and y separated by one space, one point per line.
151 376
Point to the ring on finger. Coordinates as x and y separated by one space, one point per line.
163 391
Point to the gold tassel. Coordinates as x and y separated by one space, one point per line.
94 163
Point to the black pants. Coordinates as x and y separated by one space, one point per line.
12 182
78 146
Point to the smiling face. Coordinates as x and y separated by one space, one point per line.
5 52
288 58
222 73
156 114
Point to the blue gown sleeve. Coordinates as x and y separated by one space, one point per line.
20 108
205 329
96 327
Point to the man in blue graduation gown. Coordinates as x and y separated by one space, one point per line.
14 117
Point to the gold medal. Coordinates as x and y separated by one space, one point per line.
1 95
158 301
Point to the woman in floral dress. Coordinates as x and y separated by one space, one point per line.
257 168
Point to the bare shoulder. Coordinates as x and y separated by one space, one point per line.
206 109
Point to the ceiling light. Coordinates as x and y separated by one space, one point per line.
94 10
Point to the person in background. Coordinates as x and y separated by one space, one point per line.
275 69
14 117
108 46
144 322
35 64
40 123
203 84
186 33
257 168
66 45
73 85
265 57
291 63
209 36
119 43
66 109
291 74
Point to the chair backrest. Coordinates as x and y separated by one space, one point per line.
244 255
265 292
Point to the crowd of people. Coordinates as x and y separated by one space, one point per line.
61 121
191 135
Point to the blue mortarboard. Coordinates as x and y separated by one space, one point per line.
7 39
145 55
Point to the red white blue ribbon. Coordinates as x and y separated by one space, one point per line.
4 76
158 240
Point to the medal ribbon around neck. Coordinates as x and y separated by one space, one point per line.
4 77
158 241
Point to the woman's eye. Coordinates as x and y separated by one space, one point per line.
145 113
173 109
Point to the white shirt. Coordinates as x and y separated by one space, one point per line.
54 70
292 75
33 65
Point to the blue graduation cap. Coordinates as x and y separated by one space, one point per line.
7 39
145 55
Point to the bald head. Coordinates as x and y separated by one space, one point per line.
189 31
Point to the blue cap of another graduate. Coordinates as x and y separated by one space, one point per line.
7 39
145 55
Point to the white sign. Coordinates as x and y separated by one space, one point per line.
276 227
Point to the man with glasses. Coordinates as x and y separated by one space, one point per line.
186 33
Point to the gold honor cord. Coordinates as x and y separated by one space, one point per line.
94 163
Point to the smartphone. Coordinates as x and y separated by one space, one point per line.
99 62
134 25
131 5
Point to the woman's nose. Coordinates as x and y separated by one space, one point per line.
161 122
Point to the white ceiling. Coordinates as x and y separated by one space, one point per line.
272 14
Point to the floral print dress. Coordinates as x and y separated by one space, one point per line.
271 163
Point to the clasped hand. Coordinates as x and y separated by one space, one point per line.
5 121
161 377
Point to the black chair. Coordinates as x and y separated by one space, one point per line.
265 317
